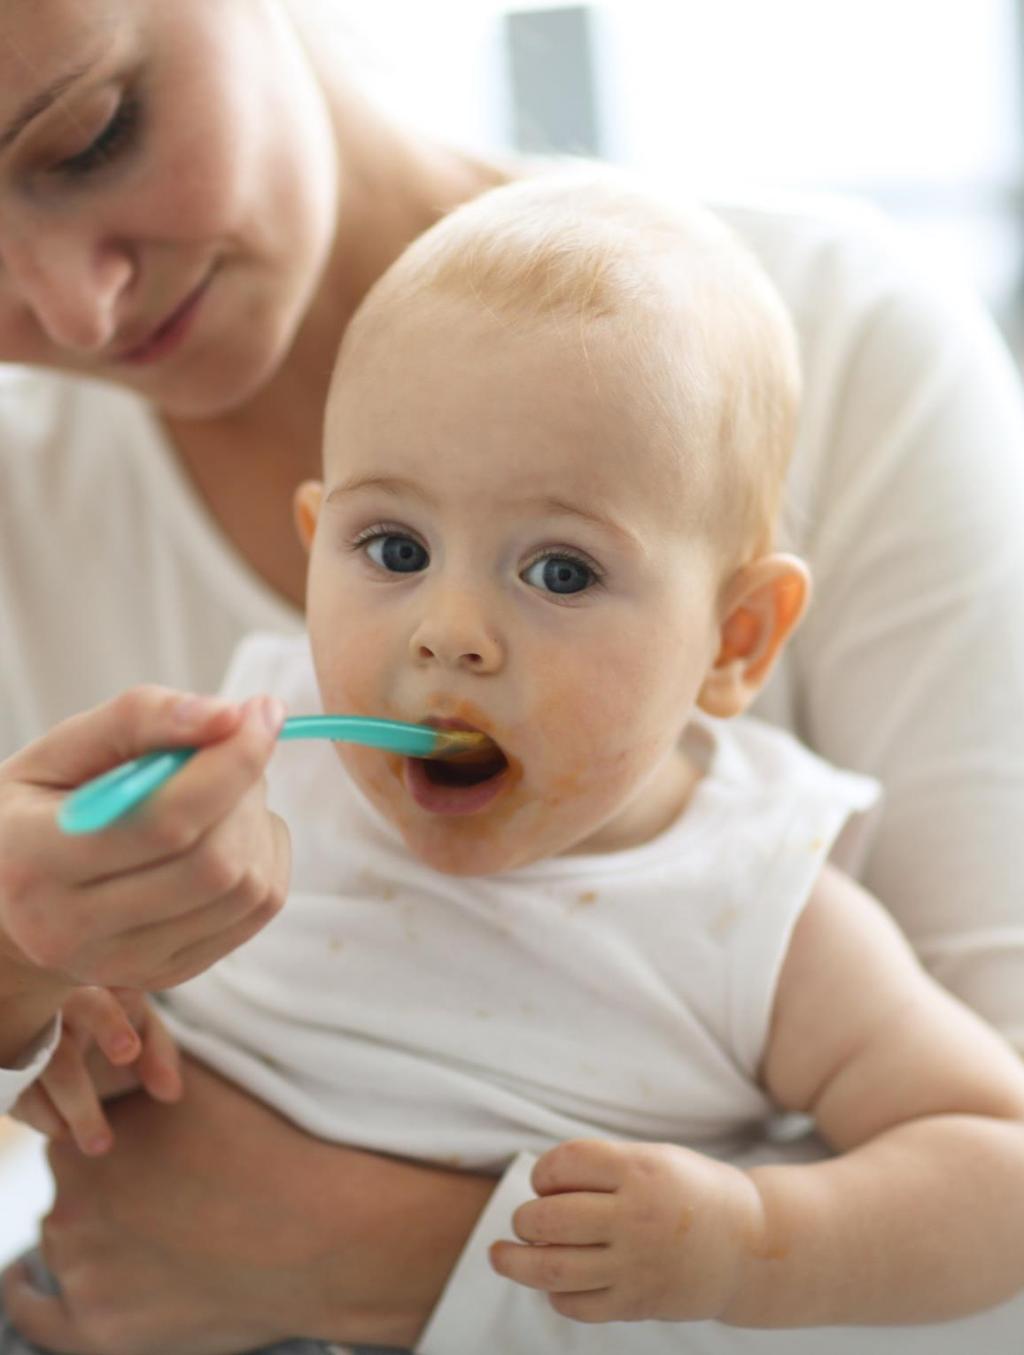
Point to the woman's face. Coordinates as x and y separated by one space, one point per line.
167 193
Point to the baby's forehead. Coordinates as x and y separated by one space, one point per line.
576 413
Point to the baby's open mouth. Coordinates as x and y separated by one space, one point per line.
463 782
467 769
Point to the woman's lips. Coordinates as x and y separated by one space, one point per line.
169 334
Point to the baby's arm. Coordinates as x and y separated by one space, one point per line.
112 1042
919 1217
917 1220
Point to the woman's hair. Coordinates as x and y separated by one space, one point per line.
329 32
709 343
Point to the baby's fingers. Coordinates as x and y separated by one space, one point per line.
159 1063
70 1088
558 1270
98 1016
34 1108
577 1218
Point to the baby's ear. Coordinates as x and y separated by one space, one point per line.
306 510
762 606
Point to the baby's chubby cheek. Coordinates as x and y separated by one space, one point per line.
587 761
347 685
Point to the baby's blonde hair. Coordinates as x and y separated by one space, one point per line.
702 331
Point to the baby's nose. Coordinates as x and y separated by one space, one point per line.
457 636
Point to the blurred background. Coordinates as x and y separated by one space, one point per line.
913 104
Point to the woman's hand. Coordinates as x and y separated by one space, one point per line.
112 1042
156 898
215 1226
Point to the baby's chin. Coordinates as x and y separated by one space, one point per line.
465 848
467 854
517 831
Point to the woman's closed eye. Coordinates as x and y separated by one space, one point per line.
117 137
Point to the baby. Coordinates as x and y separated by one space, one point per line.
555 447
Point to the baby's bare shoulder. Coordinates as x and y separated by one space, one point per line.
863 1039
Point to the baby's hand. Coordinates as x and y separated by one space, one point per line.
625 1232
112 1041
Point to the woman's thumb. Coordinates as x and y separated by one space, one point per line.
136 722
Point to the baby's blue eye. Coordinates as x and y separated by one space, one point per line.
399 554
560 574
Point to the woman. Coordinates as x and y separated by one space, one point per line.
192 202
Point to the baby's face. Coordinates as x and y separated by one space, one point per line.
499 545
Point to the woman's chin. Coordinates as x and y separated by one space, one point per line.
221 390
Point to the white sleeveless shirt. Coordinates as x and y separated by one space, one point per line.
463 1020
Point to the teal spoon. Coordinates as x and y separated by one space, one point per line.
107 798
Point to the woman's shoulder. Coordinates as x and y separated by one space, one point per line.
894 351
840 262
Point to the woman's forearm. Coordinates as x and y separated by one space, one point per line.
223 1227
921 1224
420 1231
28 1005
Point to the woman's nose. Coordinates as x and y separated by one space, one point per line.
455 634
71 285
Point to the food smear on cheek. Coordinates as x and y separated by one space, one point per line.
527 820
567 785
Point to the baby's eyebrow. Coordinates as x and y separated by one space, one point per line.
561 508
387 484
542 506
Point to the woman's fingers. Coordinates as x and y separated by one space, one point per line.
242 847
195 959
131 724
149 887
34 781
163 827
212 783
146 956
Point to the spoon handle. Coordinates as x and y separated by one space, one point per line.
106 798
